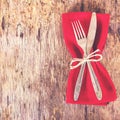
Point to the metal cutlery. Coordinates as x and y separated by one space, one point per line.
86 44
82 42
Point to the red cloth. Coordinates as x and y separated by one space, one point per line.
87 94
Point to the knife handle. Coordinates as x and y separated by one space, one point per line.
79 82
95 82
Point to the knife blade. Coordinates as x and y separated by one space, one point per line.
90 41
91 32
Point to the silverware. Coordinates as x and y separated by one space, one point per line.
90 41
86 45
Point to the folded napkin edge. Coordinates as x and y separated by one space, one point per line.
67 13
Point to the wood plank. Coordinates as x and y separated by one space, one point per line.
34 62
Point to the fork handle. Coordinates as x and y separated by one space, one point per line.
96 85
78 84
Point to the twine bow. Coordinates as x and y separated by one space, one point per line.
86 59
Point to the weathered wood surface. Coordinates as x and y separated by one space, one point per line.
34 62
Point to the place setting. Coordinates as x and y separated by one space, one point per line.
85 35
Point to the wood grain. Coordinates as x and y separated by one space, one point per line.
34 62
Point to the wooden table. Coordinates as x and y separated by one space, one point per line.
34 61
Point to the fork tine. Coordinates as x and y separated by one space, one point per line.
82 29
79 29
76 27
74 31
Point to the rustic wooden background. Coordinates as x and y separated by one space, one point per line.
34 62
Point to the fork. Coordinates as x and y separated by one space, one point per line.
82 42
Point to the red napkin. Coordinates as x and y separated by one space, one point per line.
87 94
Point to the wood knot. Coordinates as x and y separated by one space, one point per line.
118 30
38 35
3 23
19 31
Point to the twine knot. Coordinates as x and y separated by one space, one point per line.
89 58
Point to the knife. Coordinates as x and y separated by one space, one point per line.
90 41
91 32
